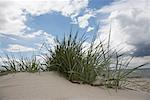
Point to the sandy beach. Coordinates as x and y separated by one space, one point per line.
50 86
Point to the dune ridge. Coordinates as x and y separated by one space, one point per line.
51 86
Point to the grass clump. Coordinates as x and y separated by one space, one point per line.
12 65
96 63
119 71
68 59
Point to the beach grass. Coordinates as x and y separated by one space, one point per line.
97 63
77 63
24 64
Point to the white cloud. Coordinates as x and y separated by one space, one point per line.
44 38
18 48
141 60
12 20
83 20
90 29
40 37
13 12
14 16
39 34
65 7
33 40
130 23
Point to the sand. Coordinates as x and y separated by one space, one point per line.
140 84
50 86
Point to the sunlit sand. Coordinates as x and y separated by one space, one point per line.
51 86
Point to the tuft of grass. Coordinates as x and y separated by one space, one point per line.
29 65
67 59
9 64
98 62
78 64
120 71
24 64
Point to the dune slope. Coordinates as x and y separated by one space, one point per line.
50 86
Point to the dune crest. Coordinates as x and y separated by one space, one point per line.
51 86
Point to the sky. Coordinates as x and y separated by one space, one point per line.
26 24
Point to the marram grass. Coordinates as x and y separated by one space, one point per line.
76 63
97 63
24 64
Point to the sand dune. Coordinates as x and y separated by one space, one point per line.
50 86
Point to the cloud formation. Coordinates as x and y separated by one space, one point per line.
130 25
141 60
83 20
18 48
129 19
14 17
27 43
12 20
15 12
90 29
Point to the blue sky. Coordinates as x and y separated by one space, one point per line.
57 24
26 24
